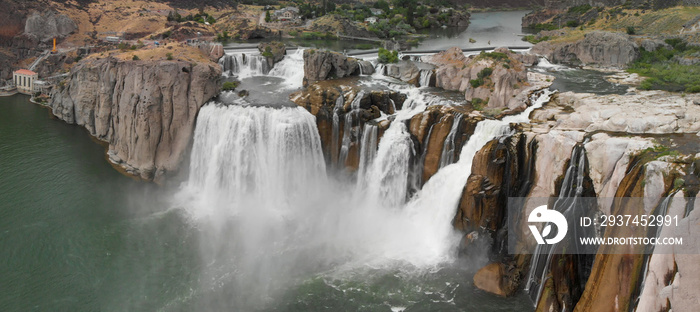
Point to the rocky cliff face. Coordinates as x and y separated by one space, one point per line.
49 25
628 165
600 48
145 111
501 76
325 65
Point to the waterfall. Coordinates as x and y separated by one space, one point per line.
347 127
291 69
236 150
569 205
388 176
244 65
448 148
268 214
368 152
380 69
425 76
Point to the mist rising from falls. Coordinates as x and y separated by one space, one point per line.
269 215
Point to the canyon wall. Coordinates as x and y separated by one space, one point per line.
144 110
607 49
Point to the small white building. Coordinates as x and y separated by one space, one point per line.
24 80
287 14
41 86
371 20
113 39
376 11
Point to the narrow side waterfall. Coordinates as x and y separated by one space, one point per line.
368 152
569 204
448 147
387 178
380 69
425 76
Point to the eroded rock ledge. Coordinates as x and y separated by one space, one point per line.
144 110
496 78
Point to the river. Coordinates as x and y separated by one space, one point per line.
77 235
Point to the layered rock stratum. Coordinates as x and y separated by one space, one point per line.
144 110
608 49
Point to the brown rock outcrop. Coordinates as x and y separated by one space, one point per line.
497 278
325 65
507 77
324 99
432 127
494 172
406 71
272 51
145 111
49 25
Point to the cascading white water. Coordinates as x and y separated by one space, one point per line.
244 65
448 147
237 151
425 76
387 177
347 127
268 212
380 69
291 69
368 152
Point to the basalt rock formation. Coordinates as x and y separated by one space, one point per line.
600 48
48 26
438 130
325 65
496 78
145 111
580 134
335 103
406 71
273 52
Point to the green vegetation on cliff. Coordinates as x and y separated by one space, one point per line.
385 56
676 69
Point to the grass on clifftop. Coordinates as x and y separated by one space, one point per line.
633 21
666 21
665 72
171 51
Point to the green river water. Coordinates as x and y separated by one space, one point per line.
76 235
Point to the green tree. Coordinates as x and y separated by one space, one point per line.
383 5
410 6
385 56
268 18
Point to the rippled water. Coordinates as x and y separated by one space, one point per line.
76 235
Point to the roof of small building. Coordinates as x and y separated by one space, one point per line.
24 72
